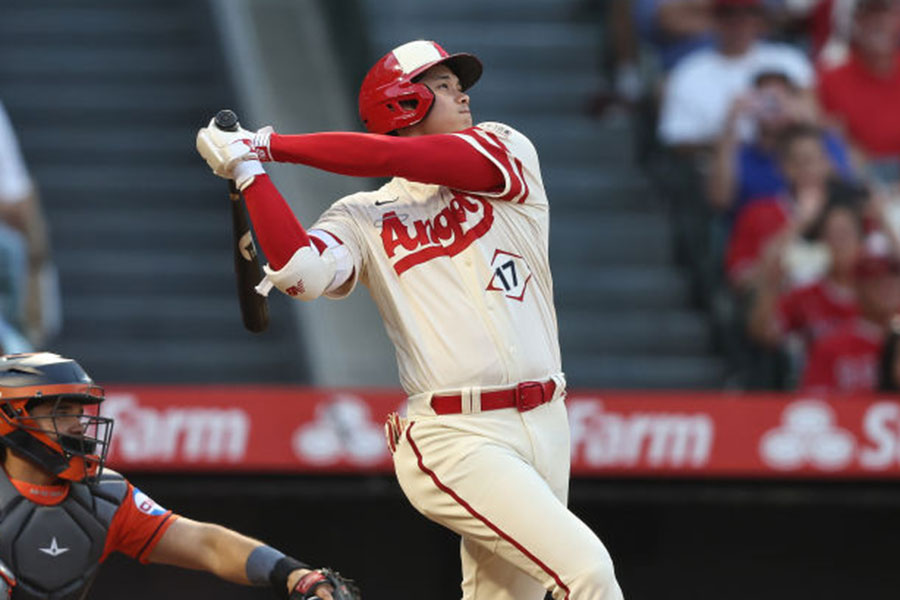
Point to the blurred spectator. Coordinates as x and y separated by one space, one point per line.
703 86
815 309
862 94
743 170
30 300
889 362
627 80
847 359
804 162
674 28
832 30
624 81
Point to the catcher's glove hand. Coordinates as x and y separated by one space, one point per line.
343 589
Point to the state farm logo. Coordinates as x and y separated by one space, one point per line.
189 434
448 233
342 430
808 436
651 439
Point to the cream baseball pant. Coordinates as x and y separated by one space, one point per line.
500 480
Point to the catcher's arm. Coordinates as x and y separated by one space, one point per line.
235 557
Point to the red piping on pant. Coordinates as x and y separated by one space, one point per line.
479 516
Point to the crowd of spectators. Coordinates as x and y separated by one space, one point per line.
787 113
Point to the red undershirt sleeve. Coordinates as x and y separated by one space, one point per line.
279 232
435 159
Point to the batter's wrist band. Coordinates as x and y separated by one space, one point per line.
261 144
281 571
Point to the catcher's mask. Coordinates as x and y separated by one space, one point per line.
390 96
49 414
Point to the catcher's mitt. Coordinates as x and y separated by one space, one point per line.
344 589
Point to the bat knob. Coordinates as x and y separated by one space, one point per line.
226 120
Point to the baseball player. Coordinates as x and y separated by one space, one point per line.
453 251
62 514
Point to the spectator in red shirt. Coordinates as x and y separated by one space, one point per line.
862 94
61 514
807 170
846 360
814 309
744 170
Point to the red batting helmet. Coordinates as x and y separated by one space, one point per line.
390 99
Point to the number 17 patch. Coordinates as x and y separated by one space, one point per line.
510 275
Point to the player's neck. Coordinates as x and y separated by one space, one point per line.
22 469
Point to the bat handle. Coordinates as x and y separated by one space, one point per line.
226 120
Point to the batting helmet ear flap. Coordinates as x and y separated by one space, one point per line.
392 82
403 104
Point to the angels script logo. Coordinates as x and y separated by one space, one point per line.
448 233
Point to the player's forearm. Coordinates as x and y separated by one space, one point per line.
436 159
279 232
300 266
205 547
229 551
227 554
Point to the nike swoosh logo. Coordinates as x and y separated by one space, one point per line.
383 202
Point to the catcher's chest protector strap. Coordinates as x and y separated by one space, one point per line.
55 550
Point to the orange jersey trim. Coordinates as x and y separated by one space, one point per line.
45 495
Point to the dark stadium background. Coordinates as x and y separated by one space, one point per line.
672 538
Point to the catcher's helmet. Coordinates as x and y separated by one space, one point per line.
390 99
27 380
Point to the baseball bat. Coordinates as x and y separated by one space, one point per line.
254 308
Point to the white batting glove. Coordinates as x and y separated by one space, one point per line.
231 154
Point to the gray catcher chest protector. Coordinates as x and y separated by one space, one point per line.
55 550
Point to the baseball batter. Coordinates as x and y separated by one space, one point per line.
62 514
453 251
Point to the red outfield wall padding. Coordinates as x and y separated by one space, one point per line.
294 429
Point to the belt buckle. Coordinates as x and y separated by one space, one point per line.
529 395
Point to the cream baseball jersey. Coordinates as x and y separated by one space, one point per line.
461 279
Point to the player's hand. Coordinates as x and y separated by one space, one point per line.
233 154
223 150
323 584
257 141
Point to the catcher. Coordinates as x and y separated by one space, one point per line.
63 514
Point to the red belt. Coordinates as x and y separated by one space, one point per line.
524 397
